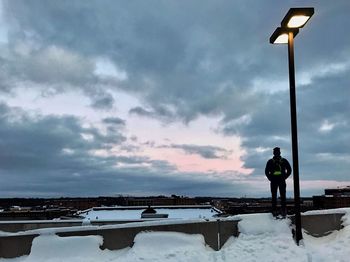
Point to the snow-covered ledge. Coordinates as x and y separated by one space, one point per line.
244 236
319 223
215 232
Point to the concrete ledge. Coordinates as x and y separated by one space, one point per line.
16 246
18 226
215 232
321 225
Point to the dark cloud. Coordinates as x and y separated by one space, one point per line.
212 60
160 113
203 63
208 152
323 153
114 121
106 101
52 70
47 141
53 156
192 63
141 112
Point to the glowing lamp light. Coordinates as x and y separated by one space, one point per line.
297 17
281 39
280 36
297 21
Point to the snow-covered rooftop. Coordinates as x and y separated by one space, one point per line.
262 238
130 213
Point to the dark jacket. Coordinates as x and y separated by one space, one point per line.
271 166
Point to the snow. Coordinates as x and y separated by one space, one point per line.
174 213
161 246
262 238
326 211
255 224
54 248
87 226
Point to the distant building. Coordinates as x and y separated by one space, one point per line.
79 203
49 208
160 201
343 191
234 206
28 214
333 198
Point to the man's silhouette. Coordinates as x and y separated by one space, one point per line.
277 171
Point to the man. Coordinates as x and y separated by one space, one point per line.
277 171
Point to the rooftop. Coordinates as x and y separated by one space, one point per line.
173 212
261 238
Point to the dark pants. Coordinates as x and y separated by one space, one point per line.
281 184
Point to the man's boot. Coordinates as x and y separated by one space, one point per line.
284 212
274 213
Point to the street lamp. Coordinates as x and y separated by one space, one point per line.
295 18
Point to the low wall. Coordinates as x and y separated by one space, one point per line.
321 225
215 233
17 226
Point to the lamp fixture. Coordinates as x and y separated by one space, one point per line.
297 17
280 36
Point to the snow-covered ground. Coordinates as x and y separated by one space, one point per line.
261 238
174 213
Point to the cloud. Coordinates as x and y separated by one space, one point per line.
171 58
215 62
103 101
160 113
52 70
55 156
141 112
195 65
114 121
322 154
208 152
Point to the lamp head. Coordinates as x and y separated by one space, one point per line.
297 17
280 36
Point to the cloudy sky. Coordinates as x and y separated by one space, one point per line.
168 97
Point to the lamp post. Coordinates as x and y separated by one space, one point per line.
295 18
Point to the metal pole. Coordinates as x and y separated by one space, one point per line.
219 234
293 117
